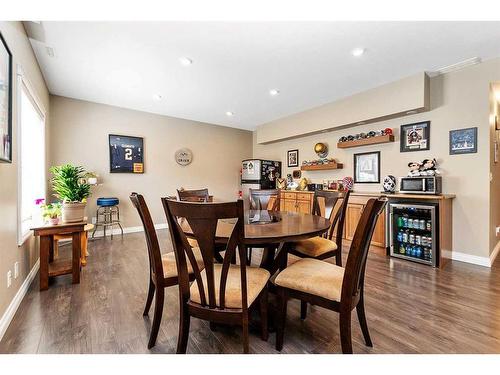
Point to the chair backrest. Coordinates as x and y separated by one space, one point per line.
203 219
324 205
155 264
356 261
200 195
264 199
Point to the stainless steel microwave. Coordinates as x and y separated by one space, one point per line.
420 185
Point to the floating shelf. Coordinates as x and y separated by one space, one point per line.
322 167
367 141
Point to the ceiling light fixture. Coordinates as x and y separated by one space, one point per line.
157 97
229 113
274 92
186 61
356 52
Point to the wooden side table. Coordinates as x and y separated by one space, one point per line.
50 267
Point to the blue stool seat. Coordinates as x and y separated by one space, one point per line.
107 202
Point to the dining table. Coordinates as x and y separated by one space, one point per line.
271 230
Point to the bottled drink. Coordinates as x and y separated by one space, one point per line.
401 222
405 221
414 251
423 241
418 252
411 238
402 249
400 236
428 225
410 223
418 239
408 250
422 224
429 241
405 236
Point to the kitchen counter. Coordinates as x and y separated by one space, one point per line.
404 196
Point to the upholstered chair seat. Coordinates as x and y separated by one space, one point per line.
170 267
315 247
256 281
313 276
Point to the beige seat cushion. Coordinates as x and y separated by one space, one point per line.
170 266
313 276
256 281
315 246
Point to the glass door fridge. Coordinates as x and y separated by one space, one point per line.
413 232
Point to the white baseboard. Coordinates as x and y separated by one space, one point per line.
16 301
116 230
474 259
494 253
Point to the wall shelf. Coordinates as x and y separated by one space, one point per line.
367 141
322 167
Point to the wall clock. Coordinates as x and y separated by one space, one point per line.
184 156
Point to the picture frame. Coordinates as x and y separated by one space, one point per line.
5 102
415 136
367 168
126 154
463 141
293 158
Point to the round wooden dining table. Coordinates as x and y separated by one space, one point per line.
271 230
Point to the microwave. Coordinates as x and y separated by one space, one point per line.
420 184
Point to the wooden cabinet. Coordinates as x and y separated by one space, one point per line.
353 215
296 201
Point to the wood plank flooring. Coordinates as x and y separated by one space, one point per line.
410 308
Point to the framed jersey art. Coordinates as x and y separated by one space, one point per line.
126 154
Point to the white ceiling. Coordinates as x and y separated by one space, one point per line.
236 64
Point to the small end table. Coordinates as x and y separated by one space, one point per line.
50 267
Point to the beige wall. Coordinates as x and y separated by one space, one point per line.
26 255
79 135
458 100
494 167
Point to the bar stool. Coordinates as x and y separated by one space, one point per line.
108 214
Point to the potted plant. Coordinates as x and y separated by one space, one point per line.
71 188
52 212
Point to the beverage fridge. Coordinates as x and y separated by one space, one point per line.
413 232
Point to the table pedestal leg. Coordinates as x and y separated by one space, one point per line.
77 253
268 257
45 244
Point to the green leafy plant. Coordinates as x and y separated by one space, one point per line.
51 211
69 184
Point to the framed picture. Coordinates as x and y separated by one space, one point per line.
293 158
5 102
463 141
415 137
367 167
126 154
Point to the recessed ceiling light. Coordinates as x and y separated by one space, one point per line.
186 61
358 52
274 92
157 97
229 113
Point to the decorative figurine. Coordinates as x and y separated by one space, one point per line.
428 167
281 183
302 184
389 184
321 149
414 169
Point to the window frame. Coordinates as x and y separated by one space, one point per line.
23 83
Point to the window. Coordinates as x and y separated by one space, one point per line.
31 159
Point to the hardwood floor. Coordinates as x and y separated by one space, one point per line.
410 308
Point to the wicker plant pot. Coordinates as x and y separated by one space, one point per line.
73 212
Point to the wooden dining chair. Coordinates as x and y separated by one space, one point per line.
162 268
199 195
330 286
324 247
263 199
221 293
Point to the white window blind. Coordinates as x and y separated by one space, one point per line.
31 135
